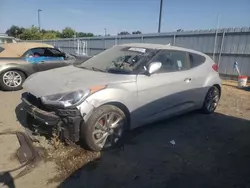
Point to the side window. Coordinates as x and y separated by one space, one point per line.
55 52
172 61
35 52
196 60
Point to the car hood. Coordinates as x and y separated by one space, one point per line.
70 78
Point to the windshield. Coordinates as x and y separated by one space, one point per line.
118 59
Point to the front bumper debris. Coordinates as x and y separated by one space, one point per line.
27 155
64 122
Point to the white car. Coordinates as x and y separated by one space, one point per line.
7 39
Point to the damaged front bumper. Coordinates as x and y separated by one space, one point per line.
65 123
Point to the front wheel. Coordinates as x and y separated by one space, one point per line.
12 80
211 100
104 128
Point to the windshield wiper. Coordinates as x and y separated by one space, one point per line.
96 69
119 71
79 66
92 68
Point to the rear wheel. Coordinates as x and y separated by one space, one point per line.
104 128
12 80
211 100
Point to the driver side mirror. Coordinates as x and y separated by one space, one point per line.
154 67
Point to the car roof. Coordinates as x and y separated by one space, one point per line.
18 49
161 47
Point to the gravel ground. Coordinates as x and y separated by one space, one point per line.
193 150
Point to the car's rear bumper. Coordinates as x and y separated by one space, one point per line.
64 122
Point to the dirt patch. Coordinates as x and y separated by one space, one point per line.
234 101
68 159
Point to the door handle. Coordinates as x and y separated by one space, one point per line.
187 80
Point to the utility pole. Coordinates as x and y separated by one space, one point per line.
159 25
39 22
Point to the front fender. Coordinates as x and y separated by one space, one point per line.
115 95
109 95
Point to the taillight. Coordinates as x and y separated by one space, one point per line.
215 67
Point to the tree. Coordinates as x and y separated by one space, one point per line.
81 34
31 33
124 33
136 32
50 35
68 32
15 31
43 31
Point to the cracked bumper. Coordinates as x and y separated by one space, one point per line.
65 122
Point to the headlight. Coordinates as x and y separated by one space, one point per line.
65 99
68 99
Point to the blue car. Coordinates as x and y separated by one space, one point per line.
19 60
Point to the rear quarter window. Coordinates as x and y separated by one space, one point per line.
196 60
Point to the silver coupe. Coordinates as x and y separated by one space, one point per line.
121 88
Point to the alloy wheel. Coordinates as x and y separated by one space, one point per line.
12 79
212 99
108 129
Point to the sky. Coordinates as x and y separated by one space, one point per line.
124 15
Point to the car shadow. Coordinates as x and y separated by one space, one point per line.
193 150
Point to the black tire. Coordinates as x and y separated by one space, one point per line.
5 87
212 96
88 128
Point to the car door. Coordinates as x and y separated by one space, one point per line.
167 91
34 56
200 71
54 59
44 59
